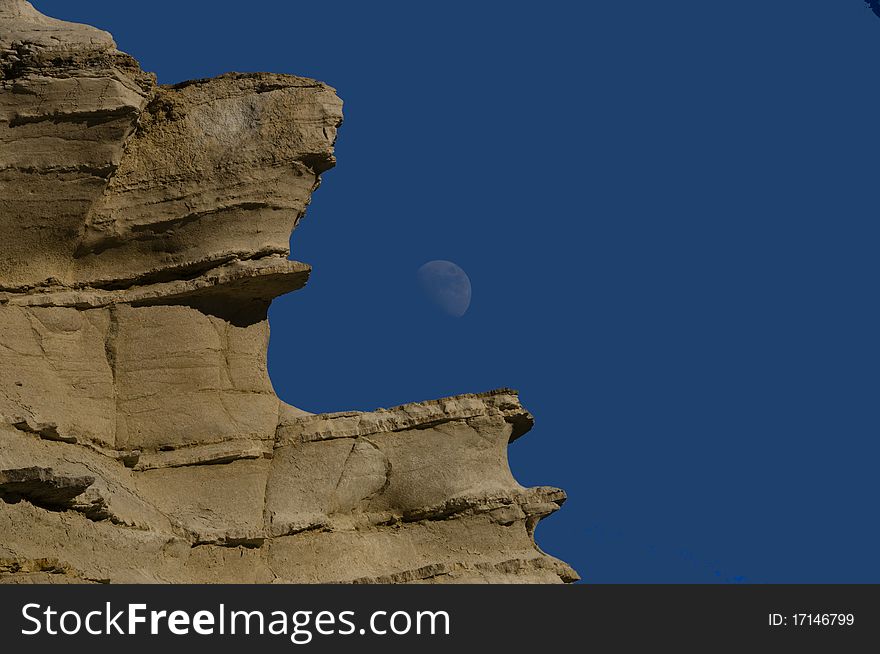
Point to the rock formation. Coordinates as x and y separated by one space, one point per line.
144 230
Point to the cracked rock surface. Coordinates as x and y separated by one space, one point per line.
144 231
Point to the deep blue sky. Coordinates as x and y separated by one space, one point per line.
669 214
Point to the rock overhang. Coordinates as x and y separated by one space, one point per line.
144 231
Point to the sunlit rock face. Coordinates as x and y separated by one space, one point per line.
144 231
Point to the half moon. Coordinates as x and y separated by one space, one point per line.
447 286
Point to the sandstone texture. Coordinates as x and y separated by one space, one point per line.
144 231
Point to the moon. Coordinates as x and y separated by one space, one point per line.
447 286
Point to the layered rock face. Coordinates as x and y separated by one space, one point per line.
144 231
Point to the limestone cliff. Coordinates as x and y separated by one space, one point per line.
144 231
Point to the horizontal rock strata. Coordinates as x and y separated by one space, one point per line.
144 231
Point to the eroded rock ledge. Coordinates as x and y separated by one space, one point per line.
144 231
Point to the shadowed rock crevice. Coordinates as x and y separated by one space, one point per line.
144 232
41 487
